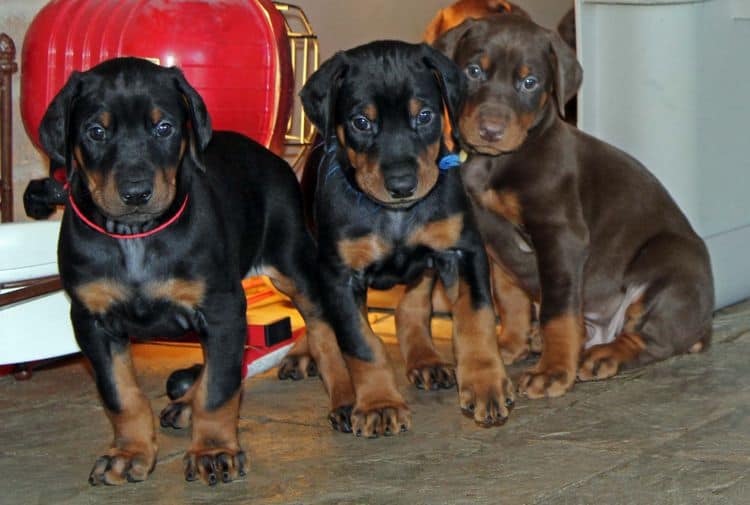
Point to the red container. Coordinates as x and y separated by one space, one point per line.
234 52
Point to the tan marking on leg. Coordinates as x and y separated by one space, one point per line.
379 409
424 366
133 451
514 307
359 253
320 342
438 235
183 292
554 373
504 203
99 296
696 347
485 391
214 437
603 361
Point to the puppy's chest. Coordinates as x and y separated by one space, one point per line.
492 188
397 254
140 290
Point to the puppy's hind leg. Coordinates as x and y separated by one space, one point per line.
673 316
295 274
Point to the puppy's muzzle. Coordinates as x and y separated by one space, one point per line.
136 192
401 185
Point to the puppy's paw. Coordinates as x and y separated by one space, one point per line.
388 418
340 419
599 362
513 348
122 465
432 376
546 382
485 393
214 465
297 367
176 415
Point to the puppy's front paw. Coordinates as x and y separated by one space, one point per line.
386 418
121 465
176 415
297 367
432 376
546 382
485 393
213 464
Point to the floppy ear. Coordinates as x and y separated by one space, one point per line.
449 40
568 72
319 94
53 130
200 121
452 84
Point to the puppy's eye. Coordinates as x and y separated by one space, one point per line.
424 117
163 129
474 71
361 123
530 83
97 133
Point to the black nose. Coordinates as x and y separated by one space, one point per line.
401 186
491 129
136 193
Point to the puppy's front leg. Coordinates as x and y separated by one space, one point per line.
561 250
215 451
132 455
485 391
379 408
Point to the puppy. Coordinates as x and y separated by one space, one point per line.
387 213
615 264
162 221
455 14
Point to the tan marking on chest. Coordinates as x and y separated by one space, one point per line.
361 252
99 296
183 292
438 235
504 203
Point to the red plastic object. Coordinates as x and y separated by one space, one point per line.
234 52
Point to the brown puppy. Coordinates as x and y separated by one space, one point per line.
455 14
617 267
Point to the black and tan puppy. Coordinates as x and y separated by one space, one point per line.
387 214
162 222
617 267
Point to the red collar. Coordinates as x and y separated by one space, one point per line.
121 236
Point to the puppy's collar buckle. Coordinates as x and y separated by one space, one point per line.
449 161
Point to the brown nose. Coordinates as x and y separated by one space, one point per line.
491 129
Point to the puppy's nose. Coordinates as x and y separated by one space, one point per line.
491 129
136 193
401 186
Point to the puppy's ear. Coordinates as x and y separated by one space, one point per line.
200 121
448 41
320 92
54 131
452 84
568 72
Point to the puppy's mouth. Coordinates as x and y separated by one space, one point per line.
493 135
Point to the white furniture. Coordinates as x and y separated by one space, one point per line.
666 81
38 328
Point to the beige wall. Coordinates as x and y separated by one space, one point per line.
339 24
